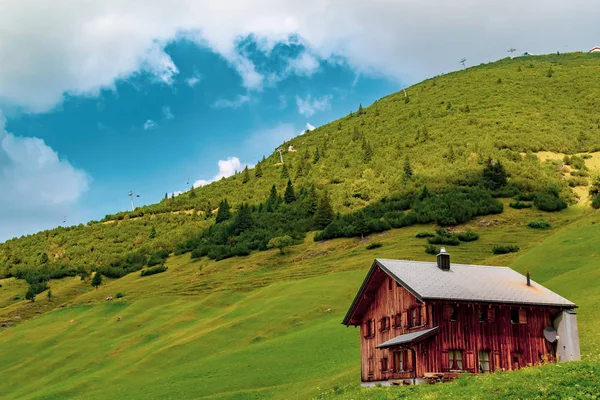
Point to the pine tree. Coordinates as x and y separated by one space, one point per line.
424 193
289 195
44 258
317 156
300 170
243 219
324 213
152 233
355 134
312 200
306 154
246 175
494 175
258 171
97 280
284 172
360 110
408 172
166 196
368 151
224 213
273 199
208 211
192 193
50 294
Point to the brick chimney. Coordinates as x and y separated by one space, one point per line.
443 260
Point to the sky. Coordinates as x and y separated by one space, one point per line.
98 98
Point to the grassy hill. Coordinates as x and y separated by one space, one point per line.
267 325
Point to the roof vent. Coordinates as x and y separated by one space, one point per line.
528 279
443 260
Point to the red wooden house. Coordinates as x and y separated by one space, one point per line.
424 319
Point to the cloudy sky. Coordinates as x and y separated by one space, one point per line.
99 97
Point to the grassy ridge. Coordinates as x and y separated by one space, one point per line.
266 326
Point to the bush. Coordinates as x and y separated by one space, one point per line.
596 202
158 257
505 249
539 224
519 205
431 249
442 236
546 201
119 295
425 234
374 245
467 236
577 181
525 197
580 172
154 270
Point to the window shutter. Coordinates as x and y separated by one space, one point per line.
405 319
447 313
522 316
409 359
381 364
372 328
424 315
445 361
491 314
497 363
469 361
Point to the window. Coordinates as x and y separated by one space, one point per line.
370 366
384 364
482 313
415 317
370 328
518 316
398 320
484 361
452 313
390 284
384 324
455 360
401 362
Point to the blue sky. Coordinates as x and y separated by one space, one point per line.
101 97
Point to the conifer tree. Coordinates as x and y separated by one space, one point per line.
289 196
306 154
300 170
360 110
243 219
97 280
368 151
324 213
317 156
224 213
284 172
152 233
312 200
272 200
408 172
166 196
246 175
355 134
192 193
208 211
258 170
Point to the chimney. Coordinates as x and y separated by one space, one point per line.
528 279
443 260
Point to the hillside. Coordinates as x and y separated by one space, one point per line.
268 326
444 131
481 152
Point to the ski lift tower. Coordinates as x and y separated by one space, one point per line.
131 198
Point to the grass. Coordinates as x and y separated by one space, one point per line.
268 326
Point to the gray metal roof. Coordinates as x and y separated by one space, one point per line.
409 337
470 283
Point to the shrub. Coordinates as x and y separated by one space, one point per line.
374 245
119 295
467 236
431 249
154 270
577 181
546 201
580 172
596 202
158 257
425 234
525 197
505 249
577 162
539 224
519 205
442 236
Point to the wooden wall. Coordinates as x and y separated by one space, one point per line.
505 341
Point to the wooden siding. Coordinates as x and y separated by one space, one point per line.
510 343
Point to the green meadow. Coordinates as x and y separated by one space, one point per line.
268 326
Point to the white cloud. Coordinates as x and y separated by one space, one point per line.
239 101
175 193
282 102
167 113
310 127
192 80
149 124
308 106
226 168
268 139
80 47
306 65
38 187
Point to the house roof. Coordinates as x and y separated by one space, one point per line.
409 338
463 283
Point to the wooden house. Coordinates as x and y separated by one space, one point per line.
420 320
595 50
